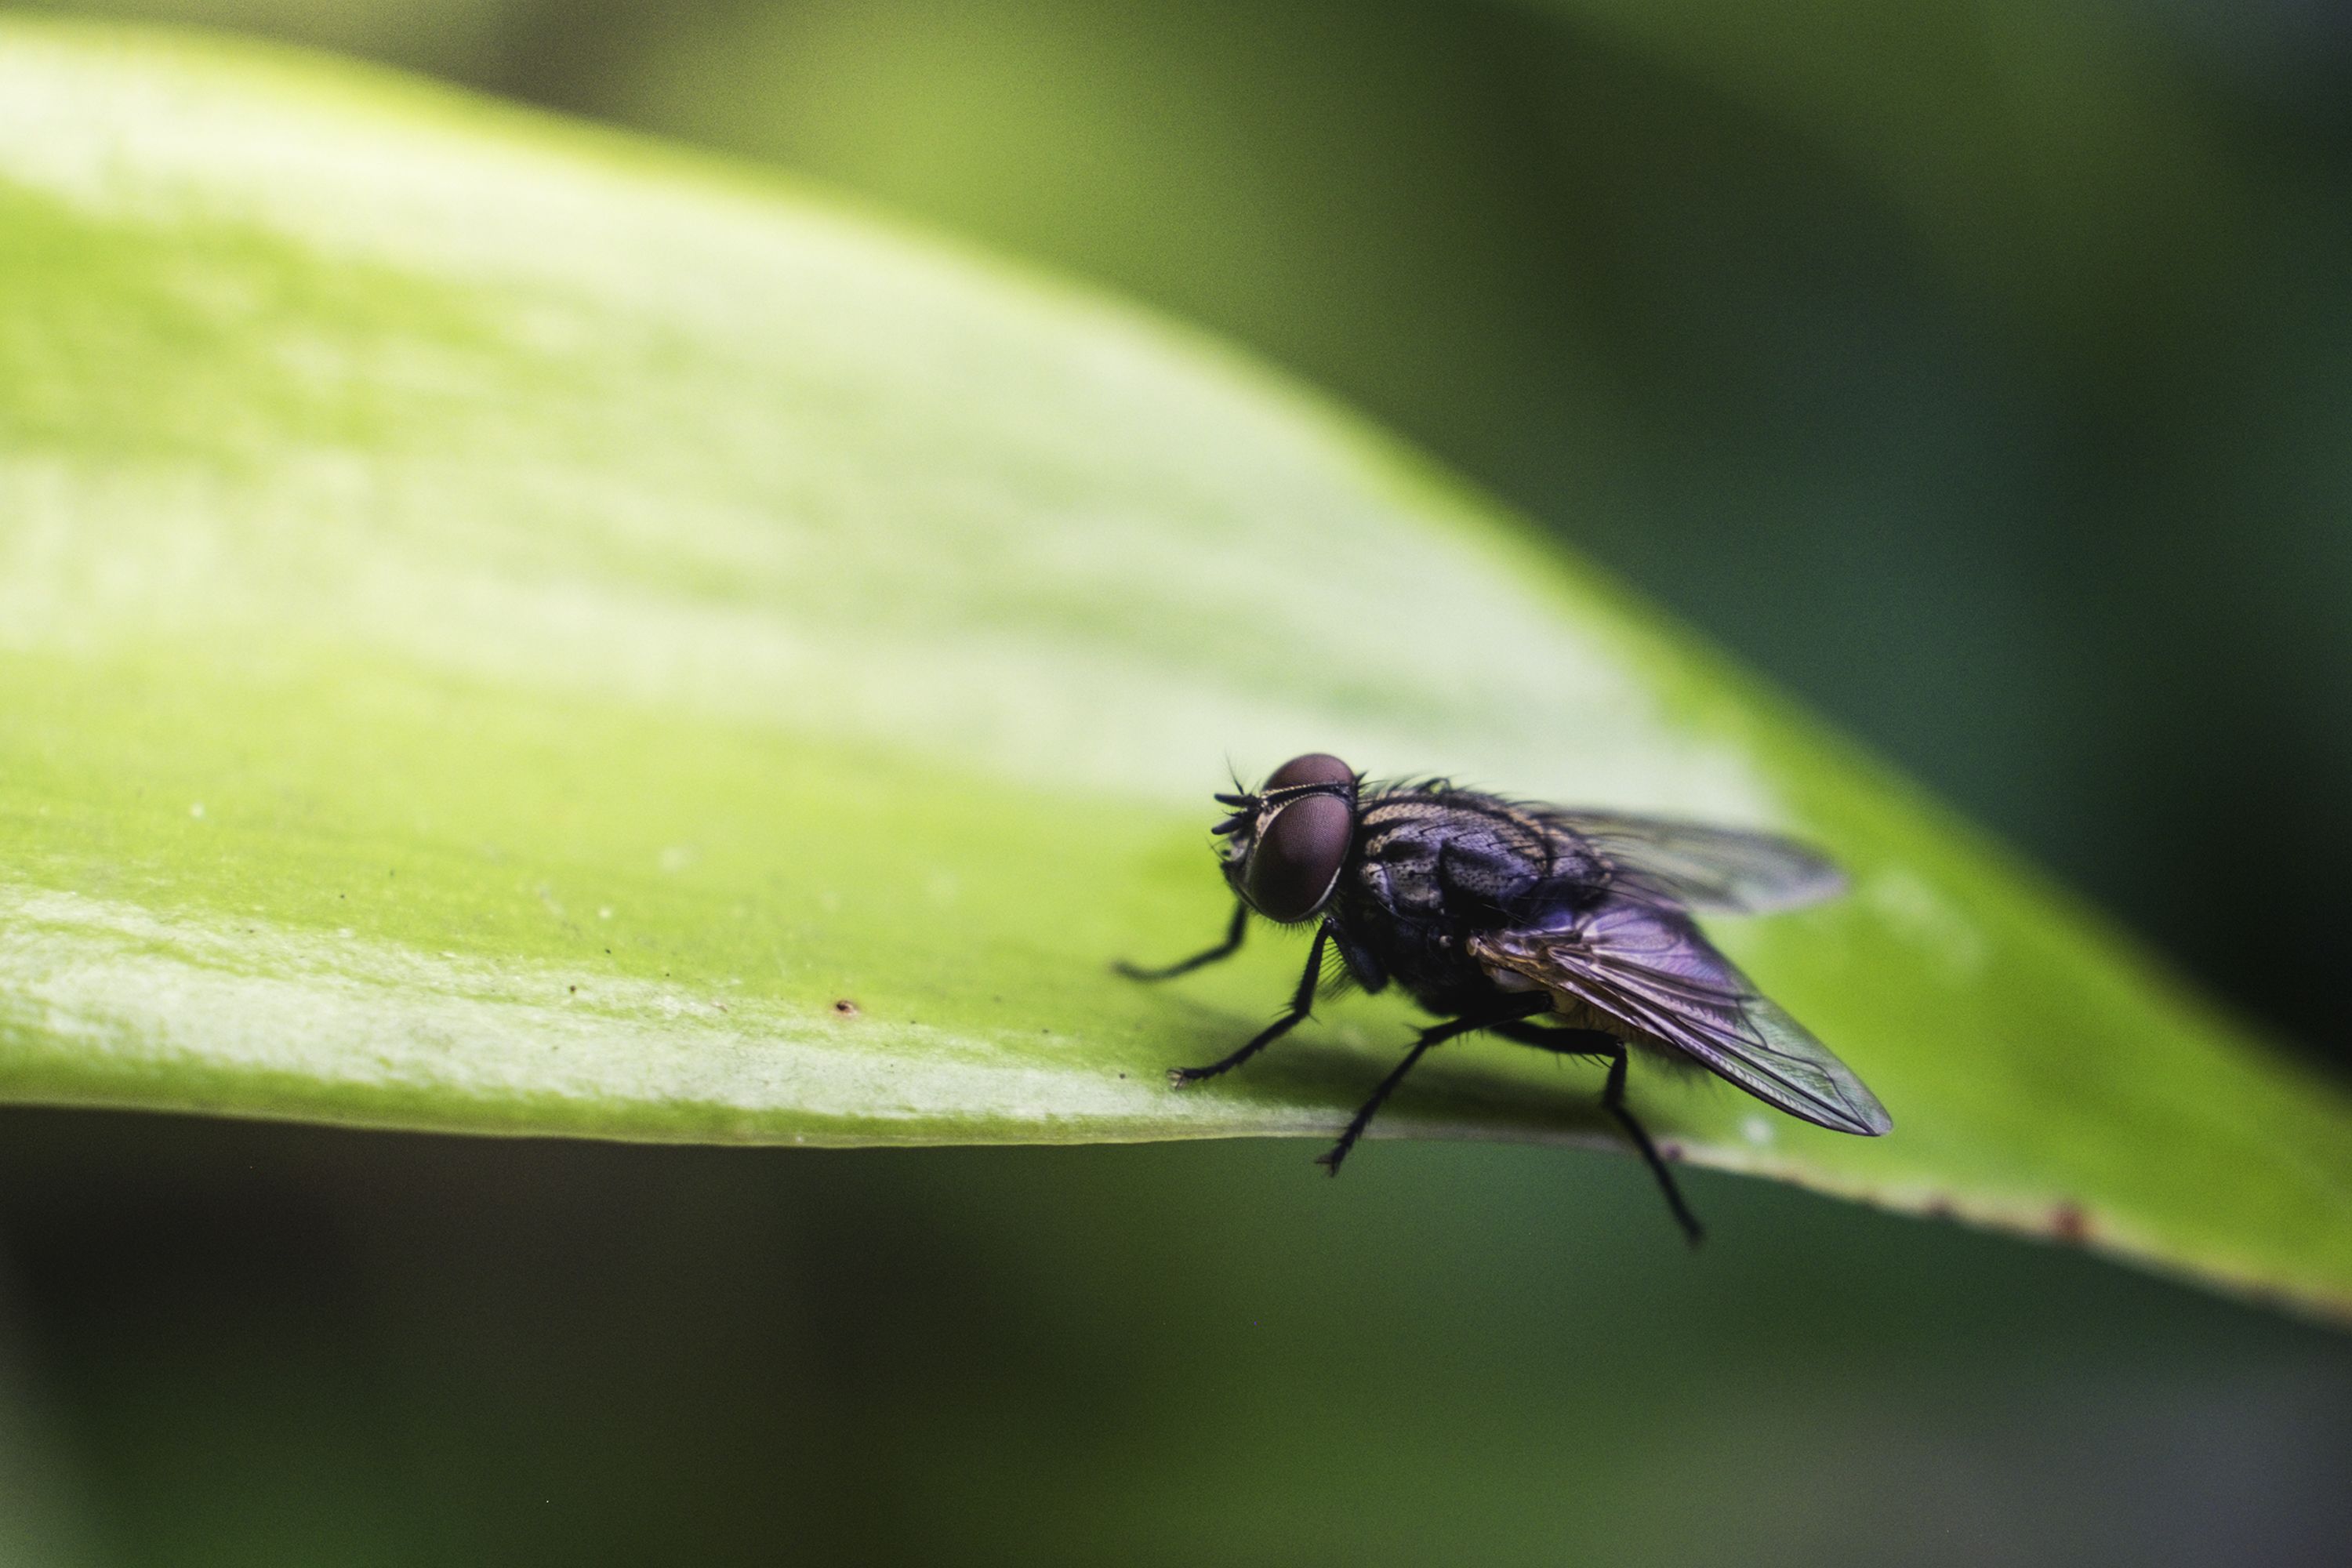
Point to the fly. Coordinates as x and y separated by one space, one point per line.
1568 931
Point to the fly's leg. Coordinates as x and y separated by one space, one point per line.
1225 948
1597 1042
1437 1034
1612 1100
1300 1005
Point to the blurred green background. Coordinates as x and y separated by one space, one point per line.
1981 371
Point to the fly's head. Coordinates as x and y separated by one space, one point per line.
1284 846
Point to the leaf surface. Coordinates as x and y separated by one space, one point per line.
508 630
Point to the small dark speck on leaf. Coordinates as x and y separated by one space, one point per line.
1939 1208
845 1007
2068 1222
575 990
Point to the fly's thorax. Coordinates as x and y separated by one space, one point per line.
1444 854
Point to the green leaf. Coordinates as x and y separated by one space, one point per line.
510 630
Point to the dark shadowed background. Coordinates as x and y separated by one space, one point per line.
1979 369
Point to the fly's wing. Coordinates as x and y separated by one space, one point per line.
1711 868
1650 969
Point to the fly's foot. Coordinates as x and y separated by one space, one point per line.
1185 1077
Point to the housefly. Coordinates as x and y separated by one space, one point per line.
1568 931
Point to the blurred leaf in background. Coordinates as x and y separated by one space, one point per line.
281 1344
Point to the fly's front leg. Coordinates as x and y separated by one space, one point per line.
1301 1005
1225 948
1521 1008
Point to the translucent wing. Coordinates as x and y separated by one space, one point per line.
1650 969
1700 867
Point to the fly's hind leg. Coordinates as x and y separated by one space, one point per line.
1436 1033
1612 1100
1597 1042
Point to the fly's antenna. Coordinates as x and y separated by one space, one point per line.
1243 805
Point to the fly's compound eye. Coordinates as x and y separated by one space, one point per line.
1298 854
1314 768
